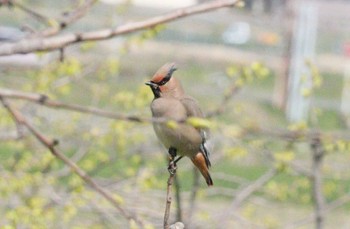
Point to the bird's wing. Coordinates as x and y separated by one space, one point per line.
192 107
193 110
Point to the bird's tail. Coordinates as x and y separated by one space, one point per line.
200 162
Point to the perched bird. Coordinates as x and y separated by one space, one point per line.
171 102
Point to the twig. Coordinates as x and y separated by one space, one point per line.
168 199
330 207
178 199
230 178
38 16
57 42
320 209
284 134
299 169
317 161
251 188
226 99
297 135
338 202
79 154
245 223
51 145
68 19
246 192
193 196
46 101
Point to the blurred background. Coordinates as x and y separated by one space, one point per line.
272 76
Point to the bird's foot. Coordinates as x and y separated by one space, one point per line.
172 153
172 167
172 163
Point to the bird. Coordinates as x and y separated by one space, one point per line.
170 102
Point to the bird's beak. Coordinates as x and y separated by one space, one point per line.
155 88
151 84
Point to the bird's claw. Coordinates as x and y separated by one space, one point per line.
172 167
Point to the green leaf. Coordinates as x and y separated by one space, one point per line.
199 122
172 124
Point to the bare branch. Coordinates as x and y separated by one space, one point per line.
319 201
246 192
338 202
251 188
44 100
297 135
57 42
193 196
285 134
300 169
233 89
230 178
79 154
68 19
51 145
168 199
330 207
178 199
36 15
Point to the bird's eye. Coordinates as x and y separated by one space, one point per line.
167 77
164 80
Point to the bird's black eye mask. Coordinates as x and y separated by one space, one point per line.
167 77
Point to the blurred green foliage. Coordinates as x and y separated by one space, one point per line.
39 191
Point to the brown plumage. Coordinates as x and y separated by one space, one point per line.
170 101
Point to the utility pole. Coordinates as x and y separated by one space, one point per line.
345 101
303 49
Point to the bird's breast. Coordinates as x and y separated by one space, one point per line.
168 108
185 138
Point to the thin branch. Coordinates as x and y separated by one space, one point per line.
51 145
36 15
79 154
68 19
193 196
284 134
297 135
245 223
338 203
178 199
320 208
246 192
230 178
168 199
299 169
44 100
319 200
233 89
330 207
57 42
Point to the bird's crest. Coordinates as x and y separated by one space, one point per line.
163 75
